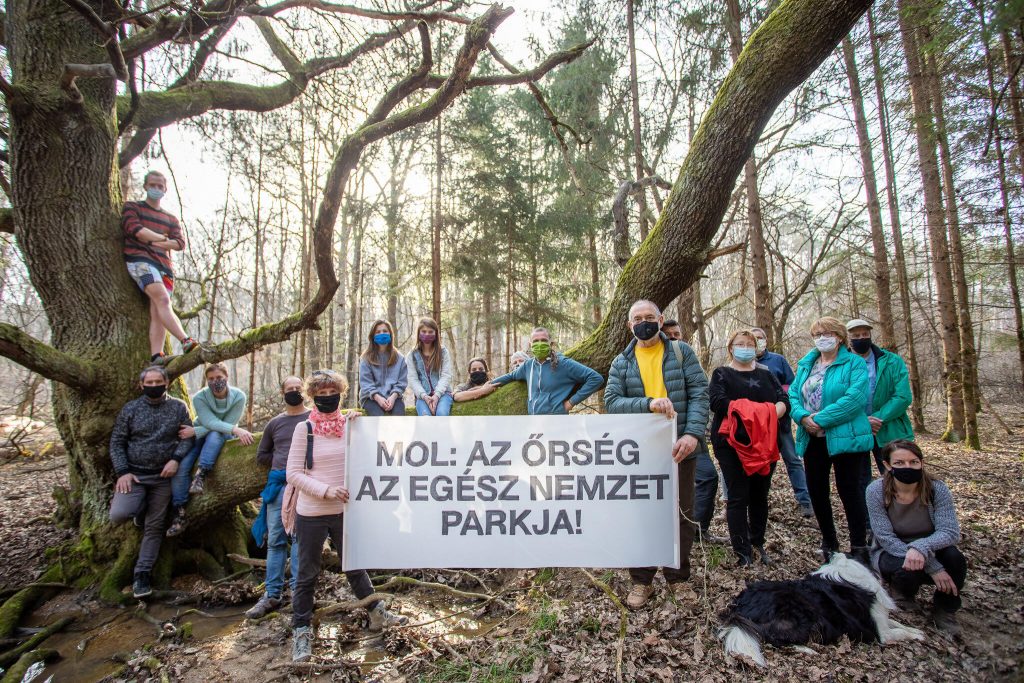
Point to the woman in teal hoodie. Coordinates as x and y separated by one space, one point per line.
551 378
218 408
828 399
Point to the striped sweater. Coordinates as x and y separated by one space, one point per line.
328 470
139 215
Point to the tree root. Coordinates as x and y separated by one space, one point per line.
623 620
17 672
396 581
12 656
37 584
119 576
17 604
338 607
247 561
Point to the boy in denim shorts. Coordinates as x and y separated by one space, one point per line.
150 234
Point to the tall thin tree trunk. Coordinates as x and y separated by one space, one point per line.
883 292
595 275
488 328
755 232
435 243
967 346
634 91
929 167
1018 129
354 338
256 280
902 277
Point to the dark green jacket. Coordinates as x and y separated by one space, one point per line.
892 397
686 383
844 396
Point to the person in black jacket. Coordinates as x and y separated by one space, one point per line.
145 448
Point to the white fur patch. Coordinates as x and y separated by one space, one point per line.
742 645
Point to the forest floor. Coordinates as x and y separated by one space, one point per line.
549 624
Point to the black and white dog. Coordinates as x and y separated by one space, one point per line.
841 598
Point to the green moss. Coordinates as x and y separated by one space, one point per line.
23 600
508 400
186 630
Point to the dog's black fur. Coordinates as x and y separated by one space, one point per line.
796 612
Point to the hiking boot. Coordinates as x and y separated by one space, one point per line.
639 595
302 644
762 555
743 561
177 524
381 617
705 536
263 607
806 511
158 358
141 586
946 622
198 482
860 553
187 344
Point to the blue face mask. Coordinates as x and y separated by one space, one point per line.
382 338
154 193
743 355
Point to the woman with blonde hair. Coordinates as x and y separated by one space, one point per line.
827 401
430 371
383 374
316 469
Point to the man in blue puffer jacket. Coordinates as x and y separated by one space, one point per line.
551 378
655 374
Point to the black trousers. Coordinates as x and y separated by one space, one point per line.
908 583
747 507
311 533
686 471
849 468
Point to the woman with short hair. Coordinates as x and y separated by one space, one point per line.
827 401
915 529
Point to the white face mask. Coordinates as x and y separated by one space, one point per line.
761 346
826 344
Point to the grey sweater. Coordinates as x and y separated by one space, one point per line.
145 435
943 516
382 379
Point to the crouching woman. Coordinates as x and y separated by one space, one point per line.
316 469
915 534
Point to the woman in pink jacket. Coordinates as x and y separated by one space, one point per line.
318 474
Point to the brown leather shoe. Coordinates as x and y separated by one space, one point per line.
639 595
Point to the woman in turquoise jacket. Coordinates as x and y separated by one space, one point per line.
828 399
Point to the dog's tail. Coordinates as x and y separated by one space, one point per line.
739 641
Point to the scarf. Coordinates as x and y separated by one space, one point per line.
332 424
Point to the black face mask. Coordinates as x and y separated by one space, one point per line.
477 378
293 398
327 404
154 391
646 330
907 475
861 346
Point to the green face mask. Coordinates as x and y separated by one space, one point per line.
541 349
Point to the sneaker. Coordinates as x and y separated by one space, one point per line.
198 482
762 555
140 586
639 595
177 524
187 344
946 622
743 561
302 644
381 617
705 536
263 607
158 358
806 511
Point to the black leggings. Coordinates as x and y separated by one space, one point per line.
747 507
849 469
906 583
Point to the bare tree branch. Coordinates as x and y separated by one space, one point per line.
534 74
72 72
108 32
40 357
429 17
379 124
620 236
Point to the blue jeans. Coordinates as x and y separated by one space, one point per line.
706 484
444 406
794 467
206 449
277 550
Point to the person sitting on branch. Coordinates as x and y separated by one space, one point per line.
150 234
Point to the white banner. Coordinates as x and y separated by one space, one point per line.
511 491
